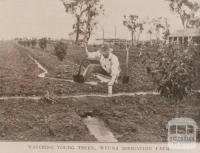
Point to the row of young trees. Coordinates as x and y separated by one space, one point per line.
42 43
60 48
153 26
28 43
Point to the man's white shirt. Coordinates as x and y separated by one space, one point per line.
110 64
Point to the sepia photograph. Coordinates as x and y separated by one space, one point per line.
100 71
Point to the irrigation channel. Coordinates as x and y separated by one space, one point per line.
95 125
43 74
98 128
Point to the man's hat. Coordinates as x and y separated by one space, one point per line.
105 48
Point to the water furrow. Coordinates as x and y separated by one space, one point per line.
43 74
98 128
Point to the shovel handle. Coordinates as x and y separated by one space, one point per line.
79 71
127 58
127 62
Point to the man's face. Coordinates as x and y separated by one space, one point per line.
105 54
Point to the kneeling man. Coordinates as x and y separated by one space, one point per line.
109 64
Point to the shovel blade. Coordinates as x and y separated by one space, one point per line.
78 78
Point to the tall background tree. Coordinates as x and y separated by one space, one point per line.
187 10
134 25
85 12
166 31
159 27
195 22
140 29
150 34
90 21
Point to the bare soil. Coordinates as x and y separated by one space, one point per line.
131 119
27 120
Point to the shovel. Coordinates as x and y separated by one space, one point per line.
78 77
126 78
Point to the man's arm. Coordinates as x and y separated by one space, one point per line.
91 55
86 49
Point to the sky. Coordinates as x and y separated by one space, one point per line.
47 18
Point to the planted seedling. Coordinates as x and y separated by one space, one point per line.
126 77
79 77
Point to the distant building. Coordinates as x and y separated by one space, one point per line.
185 36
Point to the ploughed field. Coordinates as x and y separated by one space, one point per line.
130 118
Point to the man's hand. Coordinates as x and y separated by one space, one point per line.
85 43
112 81
127 46
86 49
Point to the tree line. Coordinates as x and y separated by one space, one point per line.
86 12
60 48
